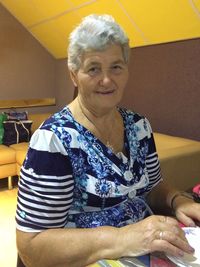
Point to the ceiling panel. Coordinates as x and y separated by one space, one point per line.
114 8
164 21
146 22
54 34
34 11
196 4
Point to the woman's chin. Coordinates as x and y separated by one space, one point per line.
109 99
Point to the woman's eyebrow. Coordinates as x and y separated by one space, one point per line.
92 63
96 63
119 61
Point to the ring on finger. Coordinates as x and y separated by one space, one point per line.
161 235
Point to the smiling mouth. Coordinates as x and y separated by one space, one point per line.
106 92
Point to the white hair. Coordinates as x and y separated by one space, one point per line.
95 33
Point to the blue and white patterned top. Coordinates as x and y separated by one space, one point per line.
71 179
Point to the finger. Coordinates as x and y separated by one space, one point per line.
187 221
177 241
166 247
173 231
172 225
177 230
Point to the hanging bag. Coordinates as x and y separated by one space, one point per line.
14 114
3 117
16 131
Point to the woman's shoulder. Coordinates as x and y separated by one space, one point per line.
62 118
136 121
60 124
128 113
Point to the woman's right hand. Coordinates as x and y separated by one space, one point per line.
155 233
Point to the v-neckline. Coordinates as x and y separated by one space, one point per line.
106 150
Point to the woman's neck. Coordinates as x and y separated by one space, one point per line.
108 127
97 115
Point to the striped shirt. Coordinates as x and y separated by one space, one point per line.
71 179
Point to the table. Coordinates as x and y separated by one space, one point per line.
153 260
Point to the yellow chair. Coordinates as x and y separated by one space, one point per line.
7 164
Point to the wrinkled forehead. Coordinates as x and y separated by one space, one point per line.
111 54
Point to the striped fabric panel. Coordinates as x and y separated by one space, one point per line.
153 169
45 191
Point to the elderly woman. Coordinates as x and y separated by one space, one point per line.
91 176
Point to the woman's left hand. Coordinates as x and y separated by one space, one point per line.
187 211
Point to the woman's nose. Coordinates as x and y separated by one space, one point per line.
105 79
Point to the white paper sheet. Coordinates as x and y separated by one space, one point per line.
190 260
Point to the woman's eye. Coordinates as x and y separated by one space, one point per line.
93 70
117 68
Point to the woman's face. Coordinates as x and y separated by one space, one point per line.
101 78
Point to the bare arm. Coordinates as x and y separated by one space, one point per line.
68 247
80 247
185 209
160 198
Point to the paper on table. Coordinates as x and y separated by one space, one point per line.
190 260
141 261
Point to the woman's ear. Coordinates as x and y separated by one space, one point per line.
73 77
